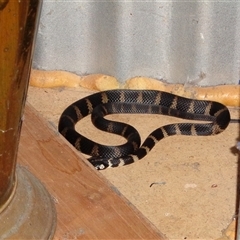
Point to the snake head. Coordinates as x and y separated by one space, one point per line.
99 163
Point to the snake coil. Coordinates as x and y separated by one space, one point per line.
138 101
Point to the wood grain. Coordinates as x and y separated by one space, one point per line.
88 207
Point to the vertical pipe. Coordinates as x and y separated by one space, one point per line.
238 197
18 21
26 208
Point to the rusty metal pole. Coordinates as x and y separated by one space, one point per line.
26 209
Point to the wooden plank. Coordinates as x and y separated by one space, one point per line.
88 207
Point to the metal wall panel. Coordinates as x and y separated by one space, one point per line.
176 41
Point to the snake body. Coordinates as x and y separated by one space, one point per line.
138 101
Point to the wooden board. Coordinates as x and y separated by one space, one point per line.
88 207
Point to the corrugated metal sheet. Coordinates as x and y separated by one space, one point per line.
176 41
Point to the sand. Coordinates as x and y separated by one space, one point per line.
186 186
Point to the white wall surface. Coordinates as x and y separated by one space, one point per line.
176 41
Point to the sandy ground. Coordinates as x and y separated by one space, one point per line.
186 186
